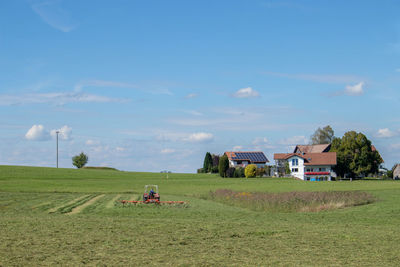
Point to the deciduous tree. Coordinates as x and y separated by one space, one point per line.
80 160
323 136
355 156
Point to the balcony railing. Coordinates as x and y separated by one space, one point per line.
317 173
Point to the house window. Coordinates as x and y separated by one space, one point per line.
295 169
308 170
322 169
295 162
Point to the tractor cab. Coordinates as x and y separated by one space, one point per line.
151 194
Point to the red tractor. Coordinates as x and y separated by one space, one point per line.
151 194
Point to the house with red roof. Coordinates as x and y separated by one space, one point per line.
308 162
244 158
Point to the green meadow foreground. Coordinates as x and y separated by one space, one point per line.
70 217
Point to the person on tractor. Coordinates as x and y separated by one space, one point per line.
151 194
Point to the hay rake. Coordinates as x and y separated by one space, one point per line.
151 195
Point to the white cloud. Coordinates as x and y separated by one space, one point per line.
295 140
37 133
192 95
65 133
385 133
356 89
246 93
167 151
120 149
199 137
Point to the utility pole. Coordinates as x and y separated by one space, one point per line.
57 132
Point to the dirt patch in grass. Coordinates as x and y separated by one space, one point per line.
292 201
78 209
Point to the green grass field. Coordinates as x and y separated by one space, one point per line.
70 217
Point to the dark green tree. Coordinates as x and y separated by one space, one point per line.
323 136
80 160
208 162
223 165
355 156
287 168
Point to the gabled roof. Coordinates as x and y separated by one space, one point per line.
252 156
326 158
312 148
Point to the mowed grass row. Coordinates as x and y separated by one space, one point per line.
203 233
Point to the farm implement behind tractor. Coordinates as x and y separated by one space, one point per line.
151 195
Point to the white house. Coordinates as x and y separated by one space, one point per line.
308 166
242 159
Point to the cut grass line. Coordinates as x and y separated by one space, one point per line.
134 197
41 205
112 202
67 204
84 205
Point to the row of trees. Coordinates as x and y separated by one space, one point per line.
220 164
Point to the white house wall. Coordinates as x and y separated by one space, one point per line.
300 167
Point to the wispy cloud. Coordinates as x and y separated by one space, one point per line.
58 98
246 93
321 78
192 95
51 12
167 151
156 90
197 137
295 140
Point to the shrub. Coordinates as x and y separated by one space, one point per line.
241 172
236 174
230 172
215 160
223 165
267 170
260 172
80 160
250 171
201 170
214 169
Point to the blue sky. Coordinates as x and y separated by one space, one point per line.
153 85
